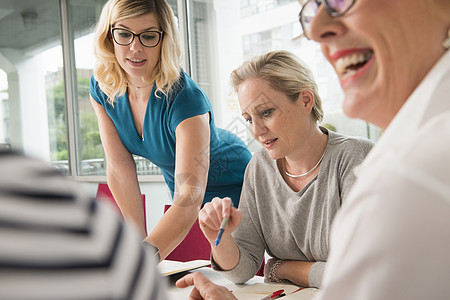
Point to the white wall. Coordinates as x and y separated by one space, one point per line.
27 102
33 104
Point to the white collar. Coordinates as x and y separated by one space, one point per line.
425 102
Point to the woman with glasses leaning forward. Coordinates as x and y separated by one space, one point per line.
148 106
293 187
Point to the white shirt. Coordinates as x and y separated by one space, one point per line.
391 239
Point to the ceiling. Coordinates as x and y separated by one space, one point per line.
45 26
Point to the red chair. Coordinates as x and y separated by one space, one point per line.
195 246
104 193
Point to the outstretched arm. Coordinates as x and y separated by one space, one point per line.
191 175
120 170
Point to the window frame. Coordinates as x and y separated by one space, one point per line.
185 16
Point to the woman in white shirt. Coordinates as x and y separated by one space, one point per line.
391 239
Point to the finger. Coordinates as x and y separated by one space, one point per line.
204 288
185 281
218 208
226 206
197 279
235 217
209 216
203 215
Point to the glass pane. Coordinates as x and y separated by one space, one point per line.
4 112
89 151
174 5
31 57
56 108
225 33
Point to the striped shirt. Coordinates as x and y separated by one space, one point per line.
57 243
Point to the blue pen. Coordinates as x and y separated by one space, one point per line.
221 230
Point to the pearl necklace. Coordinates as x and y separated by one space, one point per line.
304 174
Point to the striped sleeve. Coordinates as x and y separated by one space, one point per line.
57 243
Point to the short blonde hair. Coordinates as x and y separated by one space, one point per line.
109 74
284 72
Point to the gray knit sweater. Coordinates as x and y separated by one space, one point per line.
293 225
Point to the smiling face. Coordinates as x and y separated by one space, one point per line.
137 61
381 50
280 125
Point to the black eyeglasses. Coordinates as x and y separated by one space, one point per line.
125 37
334 8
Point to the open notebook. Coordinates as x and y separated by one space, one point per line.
170 267
174 270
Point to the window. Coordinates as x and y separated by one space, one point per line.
28 30
4 114
46 62
225 33
44 85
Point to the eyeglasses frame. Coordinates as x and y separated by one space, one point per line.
160 33
328 9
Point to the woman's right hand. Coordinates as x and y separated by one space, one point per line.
211 215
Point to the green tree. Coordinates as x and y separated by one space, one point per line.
57 122
90 145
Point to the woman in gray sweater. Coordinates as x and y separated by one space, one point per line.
293 187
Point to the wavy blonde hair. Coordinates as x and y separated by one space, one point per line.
109 74
284 72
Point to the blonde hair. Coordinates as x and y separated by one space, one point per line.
284 72
109 74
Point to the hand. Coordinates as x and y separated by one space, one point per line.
211 215
204 288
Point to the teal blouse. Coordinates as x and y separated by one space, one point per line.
229 155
